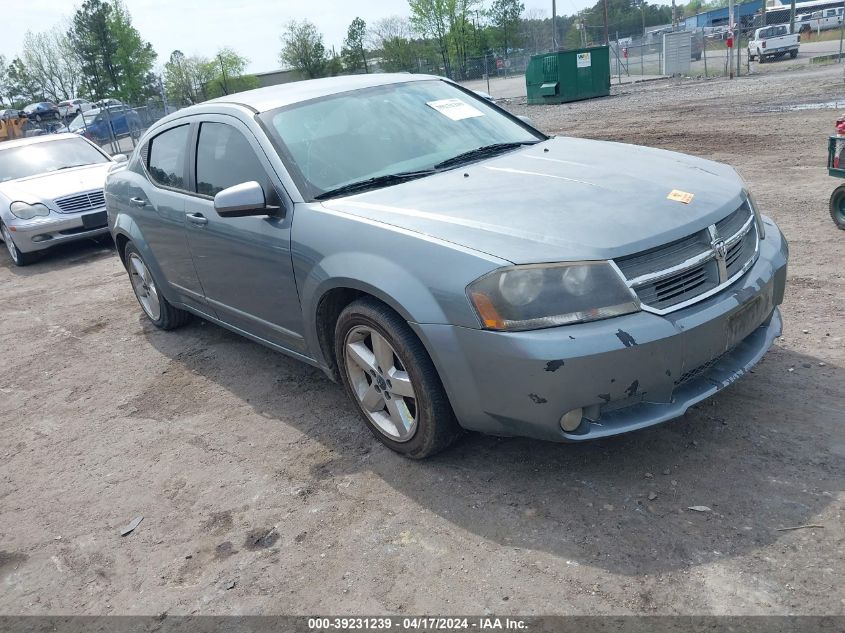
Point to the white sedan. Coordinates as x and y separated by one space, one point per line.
51 191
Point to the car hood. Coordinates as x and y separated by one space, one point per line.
47 187
563 199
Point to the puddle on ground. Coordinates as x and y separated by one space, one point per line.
797 107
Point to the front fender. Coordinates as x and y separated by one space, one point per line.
422 278
391 284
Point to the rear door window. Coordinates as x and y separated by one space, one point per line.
167 157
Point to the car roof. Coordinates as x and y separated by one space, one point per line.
32 140
263 99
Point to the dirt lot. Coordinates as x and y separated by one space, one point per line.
249 468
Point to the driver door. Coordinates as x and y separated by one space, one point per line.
244 264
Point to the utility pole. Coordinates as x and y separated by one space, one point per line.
606 34
730 35
554 25
642 10
841 31
763 13
792 17
674 17
223 68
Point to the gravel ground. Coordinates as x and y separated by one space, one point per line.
262 492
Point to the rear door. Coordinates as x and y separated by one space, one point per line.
157 205
244 264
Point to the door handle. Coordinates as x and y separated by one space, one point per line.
197 218
137 202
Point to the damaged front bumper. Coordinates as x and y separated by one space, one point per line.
624 373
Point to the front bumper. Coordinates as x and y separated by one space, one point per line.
626 373
42 233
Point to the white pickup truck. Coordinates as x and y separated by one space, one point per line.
819 20
770 42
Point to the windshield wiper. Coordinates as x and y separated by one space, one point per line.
373 183
481 152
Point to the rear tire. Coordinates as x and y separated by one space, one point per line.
837 207
147 291
761 57
793 54
390 378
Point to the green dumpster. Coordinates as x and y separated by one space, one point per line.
564 76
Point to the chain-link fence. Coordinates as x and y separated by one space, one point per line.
114 126
639 58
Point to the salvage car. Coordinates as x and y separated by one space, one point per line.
452 266
104 124
73 107
51 192
42 110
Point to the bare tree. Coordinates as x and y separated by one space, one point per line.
536 30
392 38
52 63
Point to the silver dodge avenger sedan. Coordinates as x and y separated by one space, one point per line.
452 266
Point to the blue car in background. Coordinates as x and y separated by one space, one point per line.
101 124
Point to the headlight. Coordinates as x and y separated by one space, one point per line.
752 202
26 211
546 295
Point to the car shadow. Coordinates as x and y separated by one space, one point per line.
70 254
767 453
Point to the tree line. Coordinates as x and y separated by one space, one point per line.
98 53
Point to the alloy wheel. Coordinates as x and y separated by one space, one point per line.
144 287
380 383
10 245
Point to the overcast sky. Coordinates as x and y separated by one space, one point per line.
252 27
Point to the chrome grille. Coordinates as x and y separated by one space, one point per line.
674 275
81 202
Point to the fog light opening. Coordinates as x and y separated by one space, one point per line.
569 422
42 238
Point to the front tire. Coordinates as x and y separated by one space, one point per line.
389 376
837 207
18 258
155 306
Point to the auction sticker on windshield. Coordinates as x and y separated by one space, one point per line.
455 109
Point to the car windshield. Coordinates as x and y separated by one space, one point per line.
329 143
82 119
41 158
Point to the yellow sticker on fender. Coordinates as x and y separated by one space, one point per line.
680 196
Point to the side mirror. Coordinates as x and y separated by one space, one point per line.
241 200
525 119
119 158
